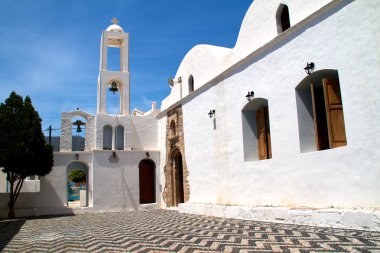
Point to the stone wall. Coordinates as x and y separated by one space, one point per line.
175 144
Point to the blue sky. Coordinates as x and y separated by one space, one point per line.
49 49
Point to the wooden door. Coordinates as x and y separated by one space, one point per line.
263 134
147 182
334 113
179 192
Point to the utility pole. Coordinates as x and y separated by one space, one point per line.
50 128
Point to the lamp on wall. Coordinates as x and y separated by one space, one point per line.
76 156
171 81
250 95
309 67
147 155
113 158
211 113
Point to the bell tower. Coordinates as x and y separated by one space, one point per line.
118 80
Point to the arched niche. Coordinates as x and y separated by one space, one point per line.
119 137
173 129
282 18
191 83
107 137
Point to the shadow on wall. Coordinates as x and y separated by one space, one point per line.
125 188
8 229
47 197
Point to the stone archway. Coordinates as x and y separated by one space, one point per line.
177 187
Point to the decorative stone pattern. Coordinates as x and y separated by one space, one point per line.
175 144
169 231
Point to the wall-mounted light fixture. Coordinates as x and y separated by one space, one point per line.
147 155
211 113
171 81
113 158
250 95
76 156
309 67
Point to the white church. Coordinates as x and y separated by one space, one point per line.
283 127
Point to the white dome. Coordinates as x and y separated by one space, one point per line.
114 28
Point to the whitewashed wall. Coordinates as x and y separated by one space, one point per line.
345 38
52 197
116 185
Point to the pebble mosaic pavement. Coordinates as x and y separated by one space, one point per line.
169 231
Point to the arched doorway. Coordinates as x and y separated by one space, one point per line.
77 184
178 191
147 178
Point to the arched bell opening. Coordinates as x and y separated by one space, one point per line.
78 135
113 98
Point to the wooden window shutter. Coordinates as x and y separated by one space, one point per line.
269 147
263 134
334 113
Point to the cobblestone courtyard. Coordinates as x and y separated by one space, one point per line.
169 231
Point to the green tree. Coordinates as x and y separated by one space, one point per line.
77 176
23 150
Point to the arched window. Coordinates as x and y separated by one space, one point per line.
256 130
191 83
119 140
282 18
107 137
320 112
173 132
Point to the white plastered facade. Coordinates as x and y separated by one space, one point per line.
340 37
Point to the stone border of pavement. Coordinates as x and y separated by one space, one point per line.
331 217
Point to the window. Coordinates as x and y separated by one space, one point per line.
119 140
191 83
173 132
282 18
320 112
107 137
256 130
